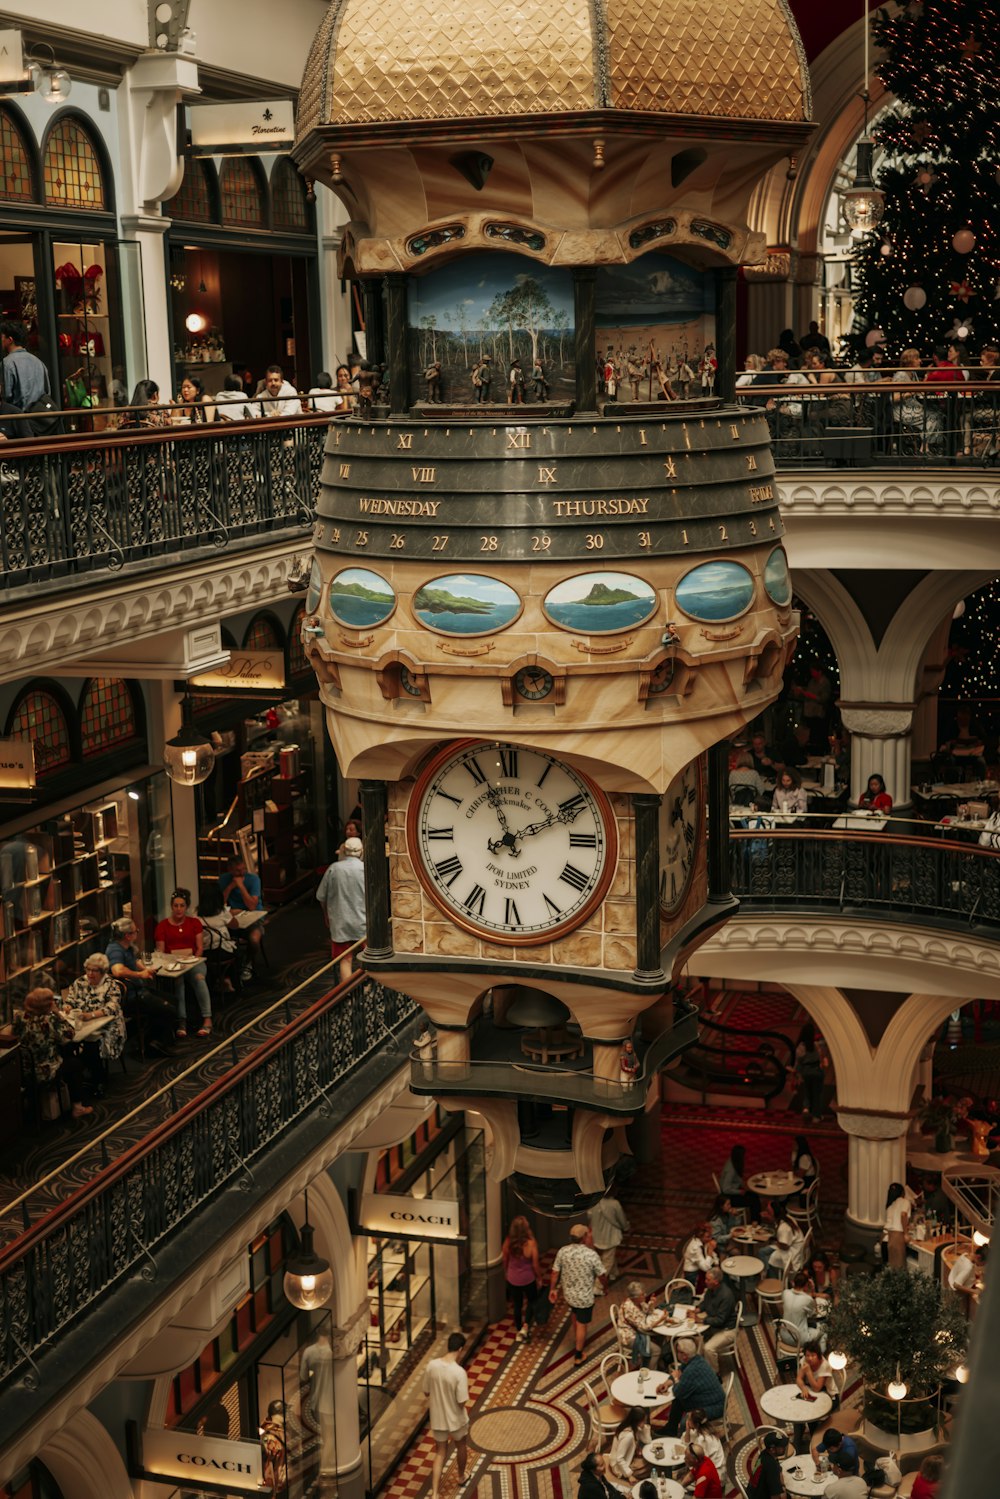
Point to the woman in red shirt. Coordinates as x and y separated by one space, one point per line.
181 933
927 1483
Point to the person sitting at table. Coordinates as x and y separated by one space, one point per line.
895 1225
990 835
746 786
799 1308
704 1482
723 1220
698 1428
635 1318
95 995
927 1484
789 1248
875 798
838 1447
792 750
625 1459
731 1181
242 891
814 1377
764 1476
700 1255
46 1035
846 1484
803 1162
593 1482
696 1388
824 1275
718 1309
155 1012
761 756
181 933
789 798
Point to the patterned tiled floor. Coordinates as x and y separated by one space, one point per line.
529 1422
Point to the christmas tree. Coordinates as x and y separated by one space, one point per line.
932 266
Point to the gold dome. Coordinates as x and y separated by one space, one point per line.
390 61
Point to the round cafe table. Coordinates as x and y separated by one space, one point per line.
746 1268
671 1453
678 1327
776 1184
748 1236
782 1402
627 1390
666 1488
801 1477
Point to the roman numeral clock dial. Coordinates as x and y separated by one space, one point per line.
511 843
681 828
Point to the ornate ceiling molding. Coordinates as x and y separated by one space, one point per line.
882 494
130 608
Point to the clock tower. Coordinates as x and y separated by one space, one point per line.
534 620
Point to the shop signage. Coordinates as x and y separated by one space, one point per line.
181 1454
17 762
434 1218
252 125
11 57
246 671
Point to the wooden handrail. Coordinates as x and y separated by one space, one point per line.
72 442
851 835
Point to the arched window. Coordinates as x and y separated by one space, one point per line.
262 634
39 716
242 194
107 715
194 198
17 183
297 663
72 168
288 198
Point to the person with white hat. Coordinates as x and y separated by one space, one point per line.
341 895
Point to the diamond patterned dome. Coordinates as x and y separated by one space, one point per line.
384 61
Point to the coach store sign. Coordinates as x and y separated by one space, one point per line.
207 1461
433 1218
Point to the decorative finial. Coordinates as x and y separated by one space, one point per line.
599 155
336 172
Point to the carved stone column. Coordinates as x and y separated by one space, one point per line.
725 331
346 1342
876 1156
881 744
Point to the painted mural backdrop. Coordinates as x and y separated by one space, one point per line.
656 310
506 306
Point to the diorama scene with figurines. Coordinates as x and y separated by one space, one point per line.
492 329
655 331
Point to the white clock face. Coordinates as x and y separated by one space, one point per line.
680 829
513 843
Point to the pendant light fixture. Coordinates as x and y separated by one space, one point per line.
188 758
308 1282
863 202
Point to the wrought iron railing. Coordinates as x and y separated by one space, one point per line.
890 877
886 424
57 1269
88 503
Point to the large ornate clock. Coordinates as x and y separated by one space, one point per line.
510 842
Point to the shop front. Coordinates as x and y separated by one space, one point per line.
243 279
423 1222
65 274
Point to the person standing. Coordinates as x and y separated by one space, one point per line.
482 378
539 383
341 895
580 1270
316 1378
432 374
446 1386
522 1272
897 1221
608 1226
25 378
515 380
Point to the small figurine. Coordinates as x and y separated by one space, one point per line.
628 1063
685 374
366 381
634 371
707 368
432 374
610 379
539 384
482 376
515 381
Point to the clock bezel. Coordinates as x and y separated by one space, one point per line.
583 913
675 906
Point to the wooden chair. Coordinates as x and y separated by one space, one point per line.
845 1418
624 1349
787 1345
734 1351
605 1417
771 1289
613 1364
727 1390
679 1290
808 1213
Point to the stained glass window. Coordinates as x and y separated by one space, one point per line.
262 635
16 185
288 198
193 199
107 715
71 169
297 663
39 717
242 199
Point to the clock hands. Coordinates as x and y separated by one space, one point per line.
509 839
565 814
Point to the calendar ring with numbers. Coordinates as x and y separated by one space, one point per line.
511 843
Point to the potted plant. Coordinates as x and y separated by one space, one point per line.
940 1115
899 1330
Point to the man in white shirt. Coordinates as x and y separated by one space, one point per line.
846 1485
608 1225
962 1275
322 395
797 1306
581 1272
278 398
446 1386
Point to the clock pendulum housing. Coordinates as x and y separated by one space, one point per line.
533 623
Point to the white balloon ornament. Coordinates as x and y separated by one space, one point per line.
964 241
914 297
886 250
874 338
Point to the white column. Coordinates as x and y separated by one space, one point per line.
881 744
346 1341
334 303
147 231
876 1156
